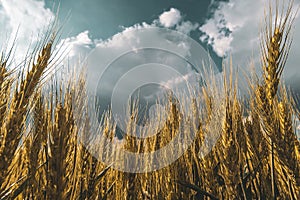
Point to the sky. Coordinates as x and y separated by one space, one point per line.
224 28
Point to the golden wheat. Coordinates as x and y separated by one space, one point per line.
44 136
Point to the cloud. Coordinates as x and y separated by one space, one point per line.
76 46
234 29
234 26
131 39
31 19
102 53
186 27
28 19
173 18
170 18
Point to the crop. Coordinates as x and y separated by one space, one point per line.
257 155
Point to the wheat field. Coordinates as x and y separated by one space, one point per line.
257 155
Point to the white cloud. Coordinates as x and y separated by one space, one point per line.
130 40
216 38
28 19
234 30
186 27
174 19
75 46
170 18
234 25
31 19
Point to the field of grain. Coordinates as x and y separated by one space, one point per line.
257 155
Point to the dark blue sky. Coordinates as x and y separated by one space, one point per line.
104 18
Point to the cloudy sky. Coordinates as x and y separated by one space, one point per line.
223 28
